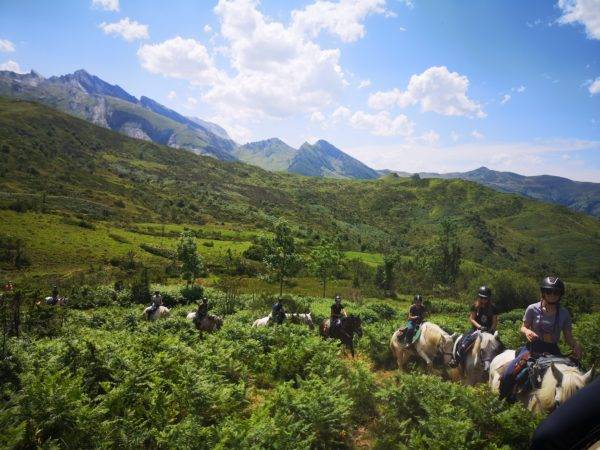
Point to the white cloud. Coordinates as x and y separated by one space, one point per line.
382 123
519 89
454 136
437 90
190 103
594 87
343 19
505 99
172 95
317 117
402 29
6 46
11 66
179 58
107 5
235 130
430 138
207 28
340 114
364 84
477 135
127 29
408 3
585 12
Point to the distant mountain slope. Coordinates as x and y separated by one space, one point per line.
320 160
90 98
54 162
577 195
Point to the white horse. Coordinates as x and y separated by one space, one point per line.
210 322
262 322
559 383
60 301
478 359
305 319
161 311
432 344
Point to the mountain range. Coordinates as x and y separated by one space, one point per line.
93 99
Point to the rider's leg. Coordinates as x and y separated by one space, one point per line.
507 381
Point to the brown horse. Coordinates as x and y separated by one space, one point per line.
208 323
345 332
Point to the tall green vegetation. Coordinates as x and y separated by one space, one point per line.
326 261
187 254
281 256
440 259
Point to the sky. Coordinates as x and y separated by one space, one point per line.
408 85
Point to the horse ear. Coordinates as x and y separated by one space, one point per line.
589 375
454 336
496 334
557 374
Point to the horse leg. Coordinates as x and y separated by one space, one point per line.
428 360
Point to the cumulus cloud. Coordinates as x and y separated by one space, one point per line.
585 12
11 66
437 90
172 95
6 46
179 58
127 29
364 84
380 124
505 99
207 28
477 135
107 5
343 19
594 87
519 89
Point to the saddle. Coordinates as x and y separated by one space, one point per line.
402 332
531 368
461 348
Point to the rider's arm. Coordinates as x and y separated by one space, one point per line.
568 333
344 312
528 332
473 321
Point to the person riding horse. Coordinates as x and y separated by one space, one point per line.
53 299
278 312
543 323
416 315
483 317
202 311
338 313
157 302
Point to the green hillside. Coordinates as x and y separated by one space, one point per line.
57 164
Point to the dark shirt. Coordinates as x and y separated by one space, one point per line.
419 311
485 316
336 310
202 309
278 309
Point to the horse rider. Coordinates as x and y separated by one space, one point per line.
543 323
202 310
483 317
278 312
338 313
416 315
157 302
53 300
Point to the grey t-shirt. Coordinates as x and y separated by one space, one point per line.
545 325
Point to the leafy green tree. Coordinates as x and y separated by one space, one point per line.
440 260
187 254
325 262
281 256
385 277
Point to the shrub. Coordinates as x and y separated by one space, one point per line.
510 290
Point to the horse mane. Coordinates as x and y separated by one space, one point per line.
571 382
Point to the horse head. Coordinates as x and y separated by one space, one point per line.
568 380
489 347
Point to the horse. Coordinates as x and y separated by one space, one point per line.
161 311
431 345
262 322
208 323
305 319
477 361
60 301
559 383
345 332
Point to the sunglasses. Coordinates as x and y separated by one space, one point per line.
551 291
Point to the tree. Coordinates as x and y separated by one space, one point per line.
191 262
440 260
281 256
385 276
325 262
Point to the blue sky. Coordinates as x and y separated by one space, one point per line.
406 85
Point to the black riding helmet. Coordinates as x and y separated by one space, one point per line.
551 284
484 292
417 298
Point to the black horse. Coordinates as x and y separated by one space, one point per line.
345 332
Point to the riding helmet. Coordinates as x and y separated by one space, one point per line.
553 283
484 292
417 298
